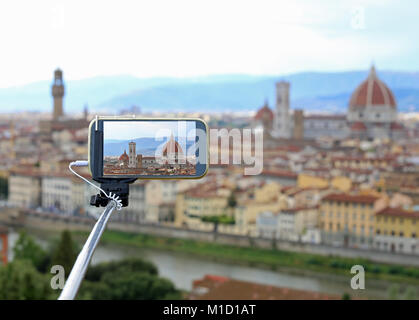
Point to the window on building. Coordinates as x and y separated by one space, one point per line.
393 233
378 231
401 234
413 235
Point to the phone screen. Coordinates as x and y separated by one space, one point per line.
149 148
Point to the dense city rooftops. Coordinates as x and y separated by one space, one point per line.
341 197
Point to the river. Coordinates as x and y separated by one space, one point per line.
183 269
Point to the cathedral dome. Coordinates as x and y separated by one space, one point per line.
264 113
124 157
372 92
172 147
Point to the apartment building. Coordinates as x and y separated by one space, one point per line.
348 219
290 224
397 230
57 193
25 188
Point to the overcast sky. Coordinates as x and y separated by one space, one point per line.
130 130
181 38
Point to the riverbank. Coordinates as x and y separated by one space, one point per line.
266 258
184 263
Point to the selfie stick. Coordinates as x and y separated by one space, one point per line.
85 256
80 266
112 195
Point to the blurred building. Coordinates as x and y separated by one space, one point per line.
348 219
397 230
59 122
373 110
290 224
372 114
25 188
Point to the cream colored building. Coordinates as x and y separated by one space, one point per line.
25 189
57 193
291 224
157 195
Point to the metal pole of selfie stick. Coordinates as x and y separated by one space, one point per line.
73 282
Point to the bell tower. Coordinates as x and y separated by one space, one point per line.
281 117
58 94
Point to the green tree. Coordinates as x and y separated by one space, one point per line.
65 253
27 249
346 296
95 273
126 279
19 280
138 286
231 201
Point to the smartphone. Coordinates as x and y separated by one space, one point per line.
147 148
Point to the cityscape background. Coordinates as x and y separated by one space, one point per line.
335 88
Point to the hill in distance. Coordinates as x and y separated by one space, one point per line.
312 91
145 146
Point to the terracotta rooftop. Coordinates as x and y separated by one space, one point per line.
372 92
222 288
368 199
358 126
279 173
398 212
265 111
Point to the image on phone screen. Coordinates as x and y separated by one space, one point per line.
161 148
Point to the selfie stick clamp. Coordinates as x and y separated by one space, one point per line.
118 188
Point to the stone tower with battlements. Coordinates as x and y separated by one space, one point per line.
58 94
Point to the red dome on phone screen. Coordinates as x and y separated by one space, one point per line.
172 147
